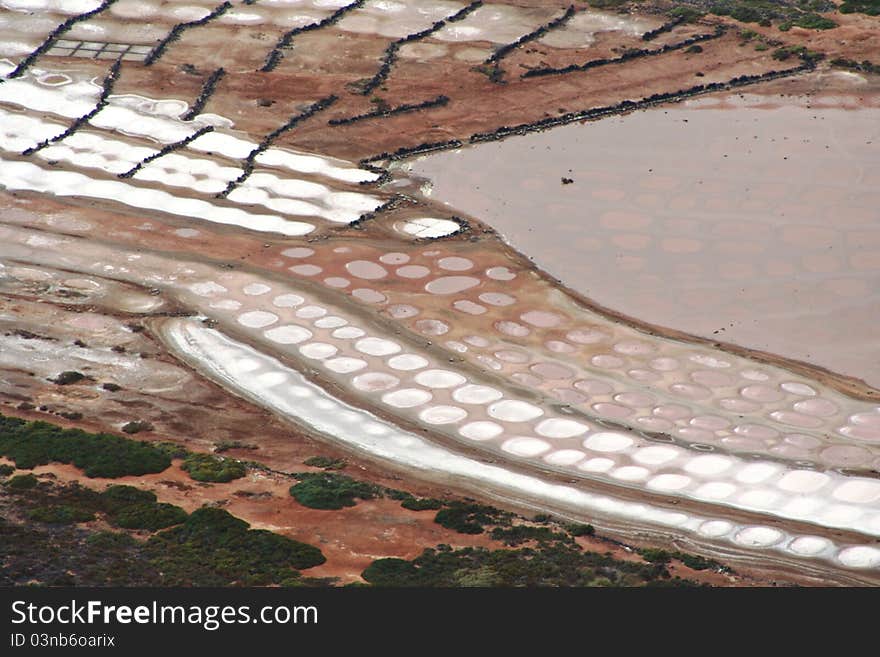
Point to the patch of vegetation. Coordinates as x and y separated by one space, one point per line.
68 377
326 463
578 529
421 504
210 547
22 482
518 534
696 562
607 4
207 467
865 66
330 491
62 514
226 445
152 516
30 444
136 426
687 14
214 548
470 518
787 52
869 7
810 22
803 13
550 564
6 470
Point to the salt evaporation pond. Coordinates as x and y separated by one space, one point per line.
753 225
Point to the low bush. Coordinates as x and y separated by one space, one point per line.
207 467
421 504
329 491
30 444
214 548
470 518
61 514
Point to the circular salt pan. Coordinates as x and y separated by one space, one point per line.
715 528
656 454
451 284
803 481
481 430
608 441
561 428
374 381
564 457
298 252
407 362
288 300
288 334
366 270
407 398
809 546
475 394
255 289
377 346
525 446
348 333
330 322
439 379
257 319
512 410
318 350
669 482
455 263
345 365
442 414
758 536
428 227
860 556
311 312
858 491
708 465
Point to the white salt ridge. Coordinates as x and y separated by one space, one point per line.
29 176
428 227
232 363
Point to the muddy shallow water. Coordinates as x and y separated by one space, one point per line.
754 225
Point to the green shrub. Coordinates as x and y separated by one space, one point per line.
68 378
469 518
325 462
136 426
392 572
105 540
6 470
548 564
207 467
578 529
421 504
519 534
869 7
22 482
213 548
655 555
30 444
119 496
62 514
329 491
153 516
689 14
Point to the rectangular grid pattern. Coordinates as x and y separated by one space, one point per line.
99 50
